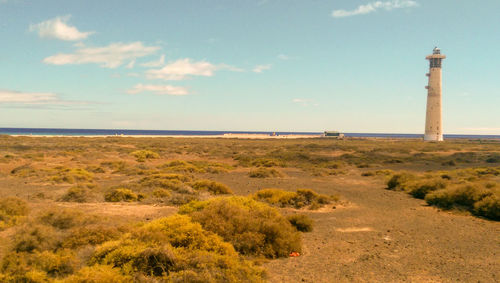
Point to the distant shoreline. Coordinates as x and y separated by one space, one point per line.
48 132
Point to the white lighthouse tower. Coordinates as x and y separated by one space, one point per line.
434 119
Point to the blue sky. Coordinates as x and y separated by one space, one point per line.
277 65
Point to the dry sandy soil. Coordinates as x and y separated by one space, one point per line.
371 235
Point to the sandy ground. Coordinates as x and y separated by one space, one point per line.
386 236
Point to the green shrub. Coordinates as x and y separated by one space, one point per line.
212 187
71 175
24 171
298 199
301 222
12 211
63 218
172 182
398 182
55 264
90 235
35 237
465 196
173 249
420 190
143 155
252 227
267 162
122 194
489 207
161 193
77 194
180 166
98 274
265 173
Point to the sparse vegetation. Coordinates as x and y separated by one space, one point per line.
143 155
212 187
254 228
265 173
299 199
301 222
122 194
12 211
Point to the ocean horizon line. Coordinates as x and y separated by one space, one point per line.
138 132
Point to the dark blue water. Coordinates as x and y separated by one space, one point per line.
110 132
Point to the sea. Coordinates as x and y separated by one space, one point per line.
118 132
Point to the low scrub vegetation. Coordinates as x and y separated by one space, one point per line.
174 249
213 187
470 189
298 199
254 228
265 173
77 194
122 194
301 222
143 155
12 211
70 175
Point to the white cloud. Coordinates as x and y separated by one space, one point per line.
59 29
159 89
182 69
158 63
374 6
10 96
130 65
304 102
111 56
283 57
261 68
38 99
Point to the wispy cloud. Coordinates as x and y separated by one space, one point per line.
374 6
21 99
305 102
58 28
157 63
182 69
159 89
283 57
111 56
261 68
185 68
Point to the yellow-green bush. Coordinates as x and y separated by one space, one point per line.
35 237
90 236
398 182
12 211
422 188
161 193
122 194
77 194
176 249
267 162
474 197
71 175
254 228
64 218
213 187
301 222
24 171
172 182
489 206
265 173
99 274
143 155
298 199
180 166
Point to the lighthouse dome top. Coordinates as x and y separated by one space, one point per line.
436 50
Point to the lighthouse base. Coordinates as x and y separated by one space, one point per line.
433 137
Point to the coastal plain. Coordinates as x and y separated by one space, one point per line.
388 210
